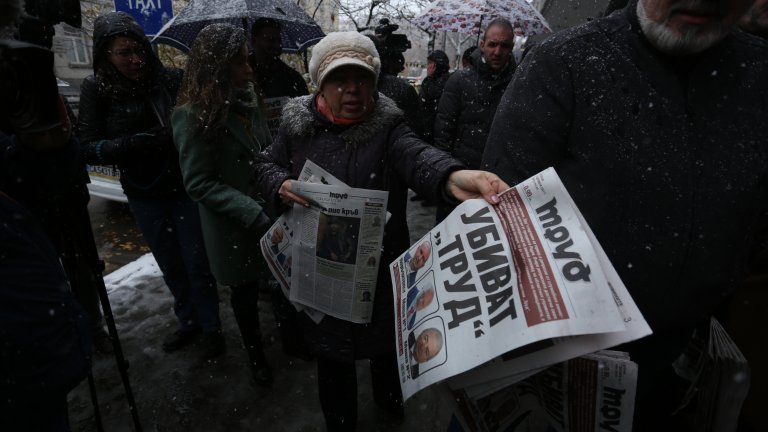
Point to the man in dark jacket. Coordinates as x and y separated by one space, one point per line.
648 116
466 108
277 81
432 88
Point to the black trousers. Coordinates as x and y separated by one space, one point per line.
337 388
245 305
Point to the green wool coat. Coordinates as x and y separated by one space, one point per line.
217 170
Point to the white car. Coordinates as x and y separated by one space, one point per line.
105 183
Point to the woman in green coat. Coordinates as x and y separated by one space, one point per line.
218 128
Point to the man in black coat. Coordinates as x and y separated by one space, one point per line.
432 88
470 97
648 116
277 81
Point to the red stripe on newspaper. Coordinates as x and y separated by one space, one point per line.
539 296
398 291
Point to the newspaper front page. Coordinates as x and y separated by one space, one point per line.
506 282
336 249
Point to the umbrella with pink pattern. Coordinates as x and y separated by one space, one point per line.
467 16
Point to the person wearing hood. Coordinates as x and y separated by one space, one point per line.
360 136
432 88
219 128
125 112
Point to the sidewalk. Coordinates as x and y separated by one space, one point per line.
178 392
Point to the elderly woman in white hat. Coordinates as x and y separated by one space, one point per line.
360 137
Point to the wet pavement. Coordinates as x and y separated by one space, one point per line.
117 237
181 392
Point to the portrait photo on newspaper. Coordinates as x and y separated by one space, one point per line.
421 300
426 347
417 261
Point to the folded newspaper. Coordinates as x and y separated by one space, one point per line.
514 287
325 257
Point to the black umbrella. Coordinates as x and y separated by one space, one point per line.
299 31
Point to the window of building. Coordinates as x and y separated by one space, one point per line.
76 46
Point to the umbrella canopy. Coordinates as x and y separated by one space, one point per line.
467 16
299 31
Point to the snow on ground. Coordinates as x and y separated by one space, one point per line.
179 392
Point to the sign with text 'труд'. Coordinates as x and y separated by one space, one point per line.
150 14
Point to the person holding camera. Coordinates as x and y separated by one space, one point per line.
45 342
390 48
125 112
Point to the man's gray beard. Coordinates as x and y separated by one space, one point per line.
669 41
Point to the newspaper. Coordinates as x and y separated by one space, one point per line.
719 377
524 283
336 248
277 243
592 393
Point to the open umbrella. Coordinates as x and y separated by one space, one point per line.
467 16
299 31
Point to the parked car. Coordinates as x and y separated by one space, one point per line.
105 183
70 93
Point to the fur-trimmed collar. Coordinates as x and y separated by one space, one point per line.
298 120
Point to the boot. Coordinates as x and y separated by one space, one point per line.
244 302
260 369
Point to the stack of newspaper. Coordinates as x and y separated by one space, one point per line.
589 393
719 376
495 294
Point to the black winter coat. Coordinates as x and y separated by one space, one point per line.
466 109
380 153
666 158
278 82
431 90
406 98
113 110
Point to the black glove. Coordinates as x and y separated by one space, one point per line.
262 223
140 145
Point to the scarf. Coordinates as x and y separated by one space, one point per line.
325 110
244 100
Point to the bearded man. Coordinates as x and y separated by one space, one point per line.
649 117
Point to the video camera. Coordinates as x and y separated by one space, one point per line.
392 47
396 43
28 91
29 95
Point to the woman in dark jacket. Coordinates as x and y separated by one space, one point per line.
361 138
124 113
219 128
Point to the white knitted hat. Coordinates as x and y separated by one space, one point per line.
340 49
